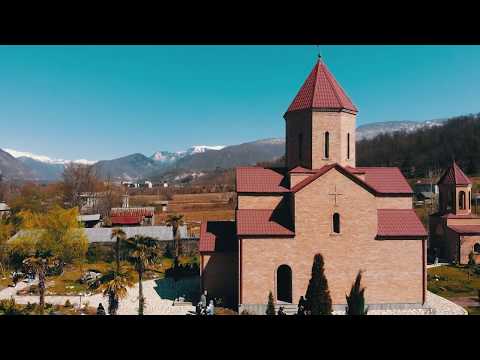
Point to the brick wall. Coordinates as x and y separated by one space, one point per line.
393 268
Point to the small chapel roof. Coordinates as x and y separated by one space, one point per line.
454 175
257 179
465 229
271 222
399 223
217 236
321 91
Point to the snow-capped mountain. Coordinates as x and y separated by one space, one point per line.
167 157
45 159
369 131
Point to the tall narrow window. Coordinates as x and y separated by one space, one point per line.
300 146
461 200
469 200
327 145
336 223
348 146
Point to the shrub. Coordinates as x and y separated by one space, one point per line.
68 304
245 312
318 297
10 307
270 305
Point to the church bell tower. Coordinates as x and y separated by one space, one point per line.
320 123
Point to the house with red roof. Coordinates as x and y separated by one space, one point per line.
358 218
454 230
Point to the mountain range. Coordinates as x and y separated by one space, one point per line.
24 165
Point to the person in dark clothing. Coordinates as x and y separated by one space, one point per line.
281 311
301 306
100 309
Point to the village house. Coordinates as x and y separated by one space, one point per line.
132 216
358 218
454 230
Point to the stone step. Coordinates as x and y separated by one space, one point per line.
289 309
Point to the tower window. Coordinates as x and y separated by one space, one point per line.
348 145
469 200
336 223
300 146
476 248
327 145
461 200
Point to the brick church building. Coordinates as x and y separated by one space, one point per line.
454 230
358 218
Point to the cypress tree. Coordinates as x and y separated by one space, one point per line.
318 296
356 299
270 306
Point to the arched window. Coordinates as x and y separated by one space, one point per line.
476 248
348 145
336 223
461 200
327 145
284 283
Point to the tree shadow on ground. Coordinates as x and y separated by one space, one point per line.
188 287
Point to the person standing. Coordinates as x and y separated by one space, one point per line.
203 299
211 308
100 309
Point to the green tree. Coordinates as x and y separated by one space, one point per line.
270 305
318 296
56 232
356 299
471 263
114 285
142 252
119 235
175 221
39 264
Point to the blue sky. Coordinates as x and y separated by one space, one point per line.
101 102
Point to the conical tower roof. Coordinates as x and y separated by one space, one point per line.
322 92
454 176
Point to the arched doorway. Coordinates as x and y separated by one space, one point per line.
284 283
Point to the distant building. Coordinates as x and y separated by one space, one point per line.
90 221
454 230
132 216
148 184
4 210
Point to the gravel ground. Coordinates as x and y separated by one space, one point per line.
128 306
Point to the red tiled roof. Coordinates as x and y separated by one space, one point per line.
386 180
321 91
466 229
140 211
399 223
260 180
217 236
263 222
301 170
126 220
458 216
454 175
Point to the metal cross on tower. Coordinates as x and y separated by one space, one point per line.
335 194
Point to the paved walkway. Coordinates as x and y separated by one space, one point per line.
128 306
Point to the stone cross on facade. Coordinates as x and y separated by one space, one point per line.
335 194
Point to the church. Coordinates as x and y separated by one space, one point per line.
358 218
454 230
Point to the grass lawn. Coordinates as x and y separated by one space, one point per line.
68 283
453 283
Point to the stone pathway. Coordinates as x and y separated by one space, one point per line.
128 306
434 305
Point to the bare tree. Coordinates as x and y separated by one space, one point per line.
78 179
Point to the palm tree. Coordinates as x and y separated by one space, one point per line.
175 221
114 285
39 265
120 235
142 252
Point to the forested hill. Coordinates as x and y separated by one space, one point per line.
426 149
